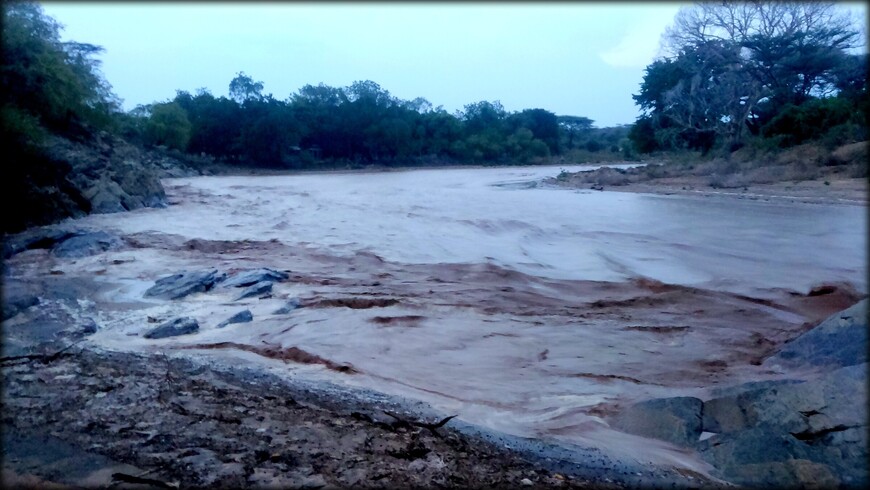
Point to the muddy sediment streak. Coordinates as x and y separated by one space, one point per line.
539 328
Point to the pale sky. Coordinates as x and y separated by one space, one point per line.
582 59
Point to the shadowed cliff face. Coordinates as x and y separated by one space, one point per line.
100 174
537 312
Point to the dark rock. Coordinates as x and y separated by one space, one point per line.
841 340
761 457
41 237
34 335
110 174
240 317
751 386
765 407
752 446
186 283
248 278
291 305
173 328
39 186
17 297
839 397
87 327
86 244
676 420
257 289
797 434
822 421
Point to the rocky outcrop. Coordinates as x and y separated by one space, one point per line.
781 433
40 237
676 420
792 435
184 284
244 316
99 174
173 328
292 304
841 340
249 278
111 174
258 289
18 296
87 244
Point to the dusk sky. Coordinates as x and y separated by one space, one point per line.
583 59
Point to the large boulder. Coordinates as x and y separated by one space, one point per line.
99 173
243 316
823 422
18 296
840 340
86 244
173 328
259 289
249 278
764 458
780 433
111 174
183 284
37 237
676 420
290 305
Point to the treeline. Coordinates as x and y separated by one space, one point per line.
766 74
49 86
362 123
54 87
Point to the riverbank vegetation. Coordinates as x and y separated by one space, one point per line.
756 82
747 92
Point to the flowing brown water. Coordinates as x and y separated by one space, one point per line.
537 312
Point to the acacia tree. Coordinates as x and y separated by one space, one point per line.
734 65
791 48
243 89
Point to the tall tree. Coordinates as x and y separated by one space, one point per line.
734 65
243 88
48 83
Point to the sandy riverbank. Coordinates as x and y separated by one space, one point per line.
851 191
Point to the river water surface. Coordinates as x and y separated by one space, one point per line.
531 310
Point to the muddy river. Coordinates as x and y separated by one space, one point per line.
529 310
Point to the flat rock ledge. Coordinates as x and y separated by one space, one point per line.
243 316
784 433
249 278
173 328
183 284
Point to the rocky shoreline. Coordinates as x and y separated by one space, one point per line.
92 418
182 417
834 190
80 415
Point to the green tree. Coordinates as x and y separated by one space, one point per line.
243 88
216 123
43 79
734 65
168 125
573 126
543 124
